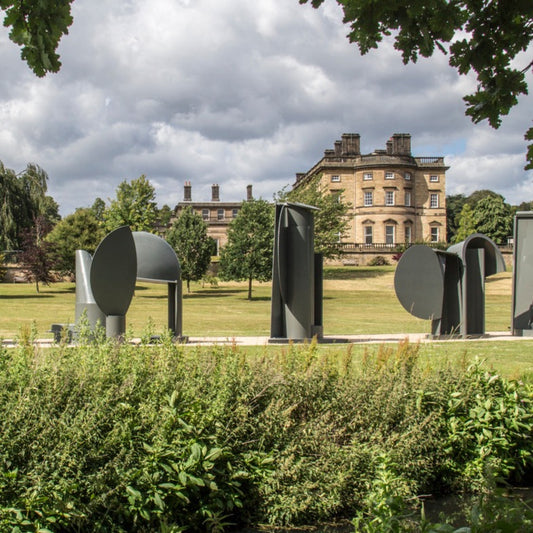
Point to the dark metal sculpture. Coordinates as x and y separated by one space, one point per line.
522 307
105 283
113 275
296 309
448 287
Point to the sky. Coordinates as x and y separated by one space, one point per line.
234 92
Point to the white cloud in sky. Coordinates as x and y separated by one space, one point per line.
234 92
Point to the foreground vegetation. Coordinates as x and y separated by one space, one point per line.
106 437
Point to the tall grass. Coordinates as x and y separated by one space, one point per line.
107 437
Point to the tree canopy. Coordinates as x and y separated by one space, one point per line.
22 199
248 253
487 38
37 27
188 236
79 231
134 206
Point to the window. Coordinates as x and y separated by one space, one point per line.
408 234
434 200
368 235
369 198
367 176
389 234
407 176
234 212
389 175
434 234
407 198
434 179
335 179
205 214
220 214
389 197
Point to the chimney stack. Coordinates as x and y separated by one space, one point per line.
249 195
215 193
401 144
351 144
187 196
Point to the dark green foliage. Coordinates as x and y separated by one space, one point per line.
487 38
22 198
108 437
248 252
454 205
37 27
188 237
379 260
79 231
134 206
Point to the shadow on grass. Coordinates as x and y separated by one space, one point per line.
39 296
353 274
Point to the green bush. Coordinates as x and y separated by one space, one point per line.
379 260
108 437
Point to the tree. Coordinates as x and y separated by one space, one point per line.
478 36
331 220
36 255
248 253
164 215
188 236
23 198
37 27
98 210
490 215
134 206
454 205
78 231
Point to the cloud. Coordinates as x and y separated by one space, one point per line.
233 93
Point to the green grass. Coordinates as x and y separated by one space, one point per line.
356 301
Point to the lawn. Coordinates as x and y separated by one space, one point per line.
356 301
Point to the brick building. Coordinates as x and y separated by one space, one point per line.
395 196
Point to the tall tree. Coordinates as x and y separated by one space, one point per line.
23 198
37 27
484 37
248 253
36 255
490 215
331 220
188 236
134 206
454 205
78 231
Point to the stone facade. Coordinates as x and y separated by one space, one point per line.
395 197
215 213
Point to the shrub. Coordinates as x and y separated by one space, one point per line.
379 260
108 437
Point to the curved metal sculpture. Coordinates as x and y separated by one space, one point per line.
157 262
296 309
448 287
105 283
113 275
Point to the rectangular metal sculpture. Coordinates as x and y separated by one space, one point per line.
522 307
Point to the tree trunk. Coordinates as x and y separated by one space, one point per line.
188 285
250 288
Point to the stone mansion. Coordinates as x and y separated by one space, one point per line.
395 197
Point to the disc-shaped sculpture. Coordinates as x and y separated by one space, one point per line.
419 282
157 262
113 274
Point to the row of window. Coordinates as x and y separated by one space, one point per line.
221 214
368 199
390 234
388 176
